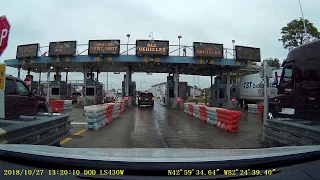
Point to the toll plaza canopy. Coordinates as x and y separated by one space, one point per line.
154 56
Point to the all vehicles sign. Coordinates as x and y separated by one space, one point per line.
4 33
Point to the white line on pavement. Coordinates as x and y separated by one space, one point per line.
83 123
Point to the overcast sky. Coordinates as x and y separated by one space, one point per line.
249 22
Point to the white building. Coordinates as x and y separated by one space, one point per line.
158 90
197 91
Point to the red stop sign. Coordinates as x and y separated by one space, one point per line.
27 81
4 33
126 98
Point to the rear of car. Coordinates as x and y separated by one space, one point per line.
110 98
146 98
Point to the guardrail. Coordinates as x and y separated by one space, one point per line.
43 129
292 132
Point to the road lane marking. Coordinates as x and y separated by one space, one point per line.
75 134
77 123
65 140
80 132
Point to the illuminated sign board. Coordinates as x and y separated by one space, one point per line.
27 51
152 47
104 47
207 50
64 48
248 53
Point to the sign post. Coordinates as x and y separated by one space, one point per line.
2 89
4 33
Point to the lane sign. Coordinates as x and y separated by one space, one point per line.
4 33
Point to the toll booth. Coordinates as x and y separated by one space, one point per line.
132 89
94 91
183 90
170 86
169 95
218 93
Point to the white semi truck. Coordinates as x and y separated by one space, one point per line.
248 89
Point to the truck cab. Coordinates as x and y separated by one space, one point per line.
299 86
19 100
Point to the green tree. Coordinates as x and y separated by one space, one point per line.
273 62
293 34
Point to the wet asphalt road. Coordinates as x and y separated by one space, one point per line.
159 127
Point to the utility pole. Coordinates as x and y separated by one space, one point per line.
304 23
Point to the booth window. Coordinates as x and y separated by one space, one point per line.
55 91
10 87
22 89
90 92
221 93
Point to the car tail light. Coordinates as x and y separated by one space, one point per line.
152 98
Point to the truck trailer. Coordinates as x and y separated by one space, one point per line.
248 89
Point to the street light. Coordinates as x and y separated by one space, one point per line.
128 36
179 37
151 35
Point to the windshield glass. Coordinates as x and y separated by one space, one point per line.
287 74
156 74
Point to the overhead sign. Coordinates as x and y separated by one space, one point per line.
4 33
64 48
104 47
207 50
248 53
152 47
27 51
2 76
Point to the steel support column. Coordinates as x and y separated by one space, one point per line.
19 71
228 84
85 85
